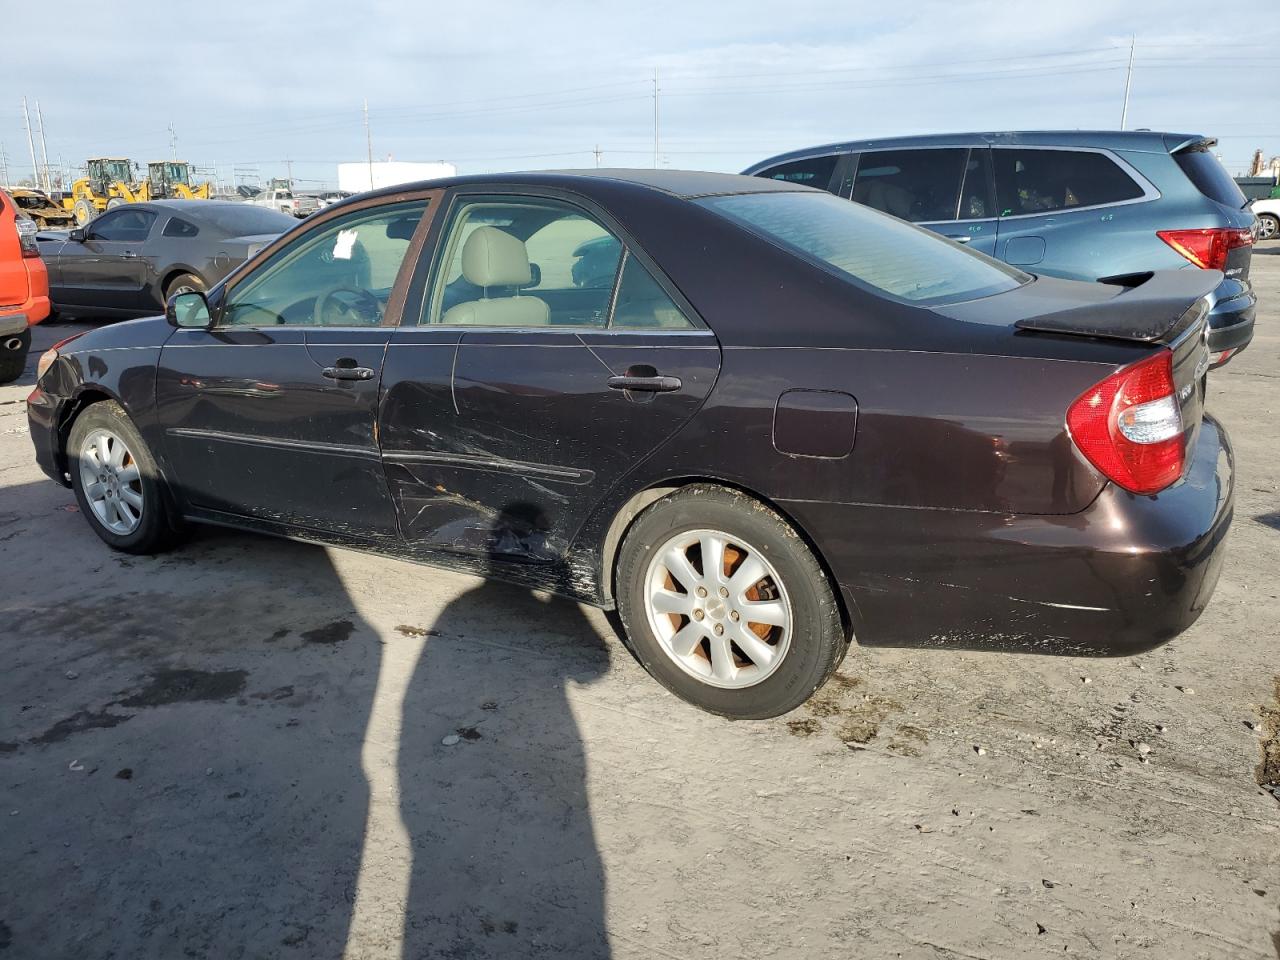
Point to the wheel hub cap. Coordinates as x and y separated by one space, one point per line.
111 482
718 608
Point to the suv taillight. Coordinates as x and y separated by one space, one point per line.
27 230
1207 248
1129 426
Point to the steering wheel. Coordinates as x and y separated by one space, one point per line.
365 311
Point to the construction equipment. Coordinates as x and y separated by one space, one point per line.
171 180
109 183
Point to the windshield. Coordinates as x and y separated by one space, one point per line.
118 170
873 250
245 220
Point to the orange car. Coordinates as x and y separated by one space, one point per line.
24 288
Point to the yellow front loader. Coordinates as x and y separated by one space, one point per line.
171 180
109 183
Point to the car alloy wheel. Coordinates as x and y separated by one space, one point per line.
718 608
1268 227
112 482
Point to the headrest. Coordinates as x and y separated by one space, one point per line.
494 258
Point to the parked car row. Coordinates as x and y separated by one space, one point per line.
860 428
1108 206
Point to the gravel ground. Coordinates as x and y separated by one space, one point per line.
255 748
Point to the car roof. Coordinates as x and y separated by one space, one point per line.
686 184
1145 141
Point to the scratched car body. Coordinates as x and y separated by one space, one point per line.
758 420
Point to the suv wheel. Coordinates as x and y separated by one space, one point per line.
1268 226
726 606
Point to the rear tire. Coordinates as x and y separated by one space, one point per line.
116 202
117 482
84 211
13 355
184 283
1268 226
750 640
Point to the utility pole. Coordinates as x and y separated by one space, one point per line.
173 142
288 165
655 118
1128 81
35 170
4 167
368 137
596 151
44 149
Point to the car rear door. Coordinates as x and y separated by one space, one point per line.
271 414
1071 212
504 423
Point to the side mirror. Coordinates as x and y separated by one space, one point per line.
188 311
78 235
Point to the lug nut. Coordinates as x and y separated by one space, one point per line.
724 591
733 615
697 614
702 591
719 630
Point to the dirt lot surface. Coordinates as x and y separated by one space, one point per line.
255 748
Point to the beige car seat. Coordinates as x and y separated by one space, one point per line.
494 258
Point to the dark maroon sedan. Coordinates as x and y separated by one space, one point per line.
757 418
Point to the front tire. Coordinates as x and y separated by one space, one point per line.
13 355
1268 226
117 482
726 606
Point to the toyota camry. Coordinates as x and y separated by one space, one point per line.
758 420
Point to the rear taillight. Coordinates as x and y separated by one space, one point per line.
1207 248
1129 426
27 230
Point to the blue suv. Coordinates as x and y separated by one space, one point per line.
1087 205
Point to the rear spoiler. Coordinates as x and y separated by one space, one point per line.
1157 310
1177 142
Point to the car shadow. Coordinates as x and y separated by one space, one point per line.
191 744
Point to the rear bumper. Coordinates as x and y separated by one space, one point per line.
1231 320
1122 576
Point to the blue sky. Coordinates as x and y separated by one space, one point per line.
508 85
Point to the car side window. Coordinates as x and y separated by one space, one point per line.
177 227
524 262
920 185
339 274
122 225
811 171
1039 181
642 303
975 199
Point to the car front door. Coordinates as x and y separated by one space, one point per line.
270 414
524 395
944 189
107 267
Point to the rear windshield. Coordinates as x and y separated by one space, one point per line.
246 220
1204 170
875 251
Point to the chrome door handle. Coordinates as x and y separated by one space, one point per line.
129 255
961 238
348 373
646 384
